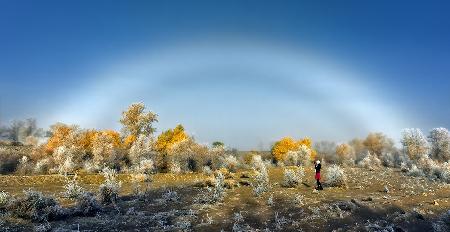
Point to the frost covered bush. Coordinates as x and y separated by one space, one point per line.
261 180
142 149
370 162
345 154
299 200
145 166
440 144
4 199
63 158
105 152
174 168
188 155
87 205
335 177
72 189
414 143
34 206
415 171
43 166
394 159
293 176
214 194
230 162
207 170
109 189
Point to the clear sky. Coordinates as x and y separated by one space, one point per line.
243 72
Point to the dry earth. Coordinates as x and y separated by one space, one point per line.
410 204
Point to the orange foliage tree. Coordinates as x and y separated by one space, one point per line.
170 137
287 144
60 134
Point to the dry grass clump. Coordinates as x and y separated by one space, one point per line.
335 177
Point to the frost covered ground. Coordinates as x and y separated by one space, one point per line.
378 200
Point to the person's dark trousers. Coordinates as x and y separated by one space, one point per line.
319 185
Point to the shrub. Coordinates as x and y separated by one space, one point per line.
293 177
214 194
43 166
345 154
370 162
377 143
109 189
230 162
261 181
415 171
335 177
87 205
9 160
4 199
145 166
72 189
142 149
34 206
394 159
207 170
414 143
440 144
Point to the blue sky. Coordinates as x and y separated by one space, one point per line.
244 72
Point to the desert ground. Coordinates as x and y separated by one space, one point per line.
375 200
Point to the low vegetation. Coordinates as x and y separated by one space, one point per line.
170 182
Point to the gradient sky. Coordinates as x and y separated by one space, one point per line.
244 72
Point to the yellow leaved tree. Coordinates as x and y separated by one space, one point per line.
287 144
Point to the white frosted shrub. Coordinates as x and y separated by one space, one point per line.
292 158
415 171
4 199
414 143
440 144
63 158
293 176
207 170
145 166
141 149
335 177
42 166
72 189
371 162
174 168
231 163
261 181
109 189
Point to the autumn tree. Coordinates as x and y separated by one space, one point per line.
136 121
378 143
281 148
61 134
170 137
414 143
345 153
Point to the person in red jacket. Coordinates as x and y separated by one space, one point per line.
317 167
